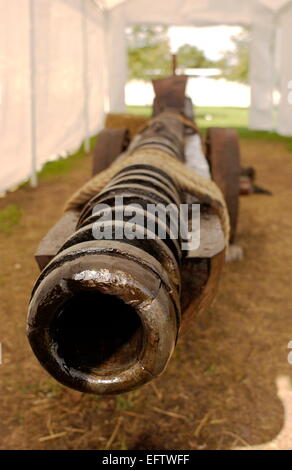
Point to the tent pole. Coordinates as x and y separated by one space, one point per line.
85 78
33 178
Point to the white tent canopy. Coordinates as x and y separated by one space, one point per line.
63 63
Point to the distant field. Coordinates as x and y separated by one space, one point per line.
224 117
209 116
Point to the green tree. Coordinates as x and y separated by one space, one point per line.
149 53
235 64
191 57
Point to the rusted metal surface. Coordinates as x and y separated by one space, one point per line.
224 157
247 183
169 93
174 63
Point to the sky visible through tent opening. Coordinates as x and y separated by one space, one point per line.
213 40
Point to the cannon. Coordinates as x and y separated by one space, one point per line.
106 311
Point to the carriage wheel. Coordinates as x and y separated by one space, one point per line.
110 144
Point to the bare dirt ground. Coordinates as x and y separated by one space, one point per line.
219 390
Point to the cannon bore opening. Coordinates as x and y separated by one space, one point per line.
97 332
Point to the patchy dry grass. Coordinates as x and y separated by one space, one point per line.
219 389
9 218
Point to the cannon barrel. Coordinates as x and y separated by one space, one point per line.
113 294
105 313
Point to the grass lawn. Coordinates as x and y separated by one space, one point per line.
208 116
224 117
